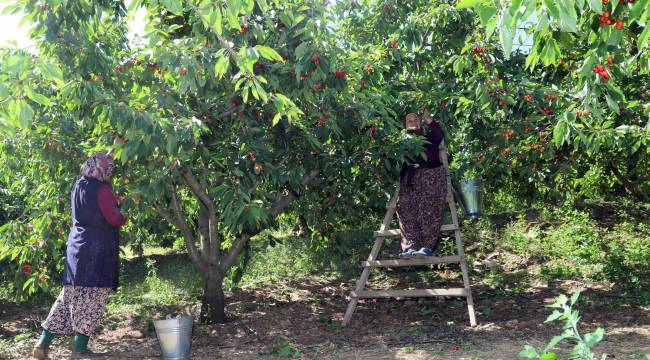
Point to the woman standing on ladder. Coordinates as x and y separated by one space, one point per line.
422 191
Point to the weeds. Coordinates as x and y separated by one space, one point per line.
583 343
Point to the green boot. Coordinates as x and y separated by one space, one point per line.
43 345
80 349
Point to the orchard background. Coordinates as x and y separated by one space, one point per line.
258 141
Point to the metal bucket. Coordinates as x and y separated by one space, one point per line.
174 336
471 191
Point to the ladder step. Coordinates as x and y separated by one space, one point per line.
413 261
396 232
365 294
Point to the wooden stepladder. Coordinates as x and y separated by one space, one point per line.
362 293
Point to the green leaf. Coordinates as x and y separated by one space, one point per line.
575 297
529 352
174 6
52 72
554 341
556 314
15 64
221 67
268 53
276 118
552 8
486 13
301 50
613 105
560 134
491 26
596 6
36 97
568 17
232 12
643 38
464 4
588 65
636 10
20 113
212 18
593 338
171 145
505 34
548 356
4 91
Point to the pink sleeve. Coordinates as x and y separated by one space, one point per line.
108 206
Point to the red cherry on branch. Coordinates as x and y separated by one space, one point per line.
259 167
619 24
183 71
315 59
244 28
26 269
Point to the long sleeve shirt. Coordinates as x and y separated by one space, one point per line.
434 135
108 206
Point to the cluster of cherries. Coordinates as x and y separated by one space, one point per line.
606 19
600 70
481 50
340 74
26 270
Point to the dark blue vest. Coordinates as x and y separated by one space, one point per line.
92 255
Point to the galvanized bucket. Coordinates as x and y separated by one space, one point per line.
471 190
174 336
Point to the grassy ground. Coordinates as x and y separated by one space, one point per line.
601 247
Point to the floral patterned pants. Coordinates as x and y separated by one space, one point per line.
78 309
420 208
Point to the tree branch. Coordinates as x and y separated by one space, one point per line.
627 184
230 258
279 205
196 188
166 215
193 252
282 201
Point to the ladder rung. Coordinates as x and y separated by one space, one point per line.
408 293
396 232
412 261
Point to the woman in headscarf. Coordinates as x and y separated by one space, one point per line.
422 191
92 259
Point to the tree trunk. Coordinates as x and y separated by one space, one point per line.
303 227
213 302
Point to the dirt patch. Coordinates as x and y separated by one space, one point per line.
303 320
